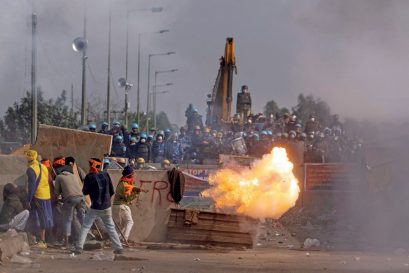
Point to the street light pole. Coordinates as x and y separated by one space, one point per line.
149 75
33 80
138 110
109 70
83 82
138 88
153 9
148 99
154 91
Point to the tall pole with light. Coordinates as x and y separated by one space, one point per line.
149 75
153 9
123 83
154 93
33 79
109 69
80 44
139 67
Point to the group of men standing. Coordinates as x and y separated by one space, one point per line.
59 192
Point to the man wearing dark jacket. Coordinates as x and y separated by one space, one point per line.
12 213
98 186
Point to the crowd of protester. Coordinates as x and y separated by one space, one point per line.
255 137
62 205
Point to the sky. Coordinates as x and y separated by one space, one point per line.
351 53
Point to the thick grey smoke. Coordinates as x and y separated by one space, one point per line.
350 53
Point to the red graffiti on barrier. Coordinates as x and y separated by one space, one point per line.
161 188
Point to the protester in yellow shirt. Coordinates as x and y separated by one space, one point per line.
39 197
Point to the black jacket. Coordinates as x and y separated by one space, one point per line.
100 189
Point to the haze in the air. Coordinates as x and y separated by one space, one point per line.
353 54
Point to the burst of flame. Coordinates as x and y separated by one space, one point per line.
265 190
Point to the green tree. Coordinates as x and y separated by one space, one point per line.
271 107
309 105
16 123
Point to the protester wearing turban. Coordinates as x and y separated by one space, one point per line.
125 193
39 197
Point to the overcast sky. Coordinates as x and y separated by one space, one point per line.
352 53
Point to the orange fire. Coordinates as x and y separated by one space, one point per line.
265 190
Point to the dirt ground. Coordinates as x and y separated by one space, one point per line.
196 261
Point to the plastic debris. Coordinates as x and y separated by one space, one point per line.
103 256
308 243
307 254
196 259
17 259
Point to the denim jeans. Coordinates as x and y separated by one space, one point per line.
106 217
71 204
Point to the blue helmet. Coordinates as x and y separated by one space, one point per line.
327 131
160 133
298 125
167 131
143 135
264 133
119 138
104 125
135 126
194 110
92 126
269 132
106 161
116 124
150 137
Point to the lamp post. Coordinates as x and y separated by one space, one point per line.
139 68
33 79
154 94
123 83
153 9
80 44
149 75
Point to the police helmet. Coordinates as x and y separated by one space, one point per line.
135 126
167 131
143 135
118 138
92 126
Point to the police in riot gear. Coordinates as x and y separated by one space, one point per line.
118 146
104 128
243 106
158 148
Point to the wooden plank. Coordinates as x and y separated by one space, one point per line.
207 233
212 228
217 226
209 237
217 216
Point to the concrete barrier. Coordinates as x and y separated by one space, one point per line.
56 141
151 210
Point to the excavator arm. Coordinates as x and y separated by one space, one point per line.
222 95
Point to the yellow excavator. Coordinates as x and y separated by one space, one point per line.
219 102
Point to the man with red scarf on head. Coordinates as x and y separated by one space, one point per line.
98 186
125 193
